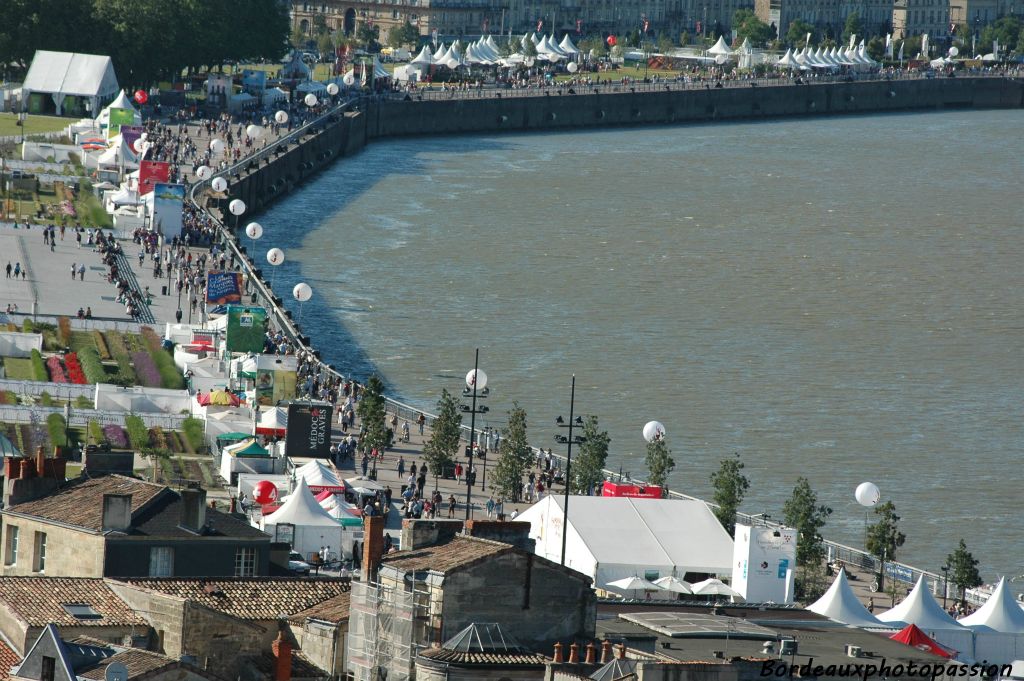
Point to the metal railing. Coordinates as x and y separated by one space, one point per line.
60 391
22 413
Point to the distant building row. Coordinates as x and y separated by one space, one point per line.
459 18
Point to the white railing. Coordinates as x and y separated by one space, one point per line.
60 391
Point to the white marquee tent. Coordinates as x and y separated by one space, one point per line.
316 473
302 517
610 538
122 101
840 604
1000 613
68 74
567 46
920 608
720 48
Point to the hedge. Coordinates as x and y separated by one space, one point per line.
194 433
39 372
138 433
64 331
57 427
89 358
101 345
170 375
46 399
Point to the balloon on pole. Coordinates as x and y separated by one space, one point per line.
219 184
264 492
204 172
478 377
332 89
653 430
254 230
867 494
275 256
310 100
237 207
141 97
281 117
348 79
217 146
253 132
302 292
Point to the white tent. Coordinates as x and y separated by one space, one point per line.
720 48
840 604
310 525
68 74
271 420
1000 613
567 46
788 61
614 537
439 53
122 101
424 57
316 473
920 608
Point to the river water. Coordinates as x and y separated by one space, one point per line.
837 298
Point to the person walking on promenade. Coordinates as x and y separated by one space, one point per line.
458 471
490 507
81 272
401 467
421 421
74 270
451 505
9 268
499 509
365 463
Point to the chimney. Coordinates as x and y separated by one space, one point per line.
40 462
233 506
282 650
622 651
606 651
193 510
373 545
574 653
590 653
558 654
516 533
117 512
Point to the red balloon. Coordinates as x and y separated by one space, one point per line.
612 41
141 97
265 492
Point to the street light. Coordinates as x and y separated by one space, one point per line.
568 440
476 386
945 582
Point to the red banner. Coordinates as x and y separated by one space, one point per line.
612 489
152 172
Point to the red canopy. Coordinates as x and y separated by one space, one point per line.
916 638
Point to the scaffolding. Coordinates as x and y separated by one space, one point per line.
381 644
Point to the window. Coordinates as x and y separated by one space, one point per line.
161 561
11 552
81 611
39 559
245 562
47 669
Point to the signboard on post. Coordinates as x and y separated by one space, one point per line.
309 430
246 329
151 172
223 288
119 117
168 200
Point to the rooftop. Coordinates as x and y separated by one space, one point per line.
247 598
461 552
39 601
8 658
138 662
332 610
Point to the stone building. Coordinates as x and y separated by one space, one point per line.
916 17
320 632
827 16
451 18
116 526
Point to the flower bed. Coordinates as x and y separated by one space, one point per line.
75 373
115 435
145 370
56 370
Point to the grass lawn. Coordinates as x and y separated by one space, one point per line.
634 72
18 369
33 124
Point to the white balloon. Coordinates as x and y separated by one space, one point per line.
332 89
310 99
237 206
219 184
203 172
867 494
253 132
653 430
348 79
302 292
572 67
254 230
217 146
452 63
281 117
275 256
138 145
144 135
476 376
721 59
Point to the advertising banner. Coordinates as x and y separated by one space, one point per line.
223 287
151 172
168 200
246 329
273 386
309 430
130 134
764 561
254 82
119 117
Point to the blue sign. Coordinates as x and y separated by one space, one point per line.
783 567
899 572
223 287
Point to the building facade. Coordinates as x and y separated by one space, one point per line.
450 18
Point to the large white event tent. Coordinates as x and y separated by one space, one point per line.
720 48
122 101
610 538
567 46
424 57
920 608
439 54
69 74
840 604
1000 613
311 526
319 476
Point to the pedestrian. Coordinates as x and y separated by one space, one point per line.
420 421
365 463
458 471
81 272
490 507
499 509
74 269
9 268
451 505
401 467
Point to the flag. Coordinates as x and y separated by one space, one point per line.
807 42
924 46
647 24
433 37
888 45
902 43
698 28
540 25
995 49
487 22
579 26
853 39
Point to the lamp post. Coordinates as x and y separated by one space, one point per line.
568 440
945 582
476 387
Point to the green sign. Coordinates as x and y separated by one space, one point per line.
119 117
247 328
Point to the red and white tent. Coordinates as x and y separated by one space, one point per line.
914 637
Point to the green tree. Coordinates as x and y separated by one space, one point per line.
406 34
963 35
796 34
298 38
684 38
876 48
445 433
665 44
963 569
1006 30
371 410
325 43
851 27
884 536
747 25
320 24
659 462
514 456
588 464
803 513
368 35
730 486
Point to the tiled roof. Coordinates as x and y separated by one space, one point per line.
81 502
483 658
8 658
39 601
332 610
163 518
301 667
460 552
137 661
247 598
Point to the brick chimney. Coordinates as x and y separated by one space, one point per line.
282 650
193 510
622 651
590 653
558 653
117 512
574 653
40 462
373 545
606 651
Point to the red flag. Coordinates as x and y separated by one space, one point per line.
540 24
647 25
487 22
579 26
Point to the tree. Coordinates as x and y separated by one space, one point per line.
796 34
325 43
445 434
747 25
803 513
884 536
1006 30
851 27
406 34
665 44
684 38
371 410
963 569
659 462
368 35
730 486
876 48
588 464
514 457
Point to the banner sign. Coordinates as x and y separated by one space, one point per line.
223 287
246 329
254 82
130 134
309 430
151 172
274 386
119 117
168 200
